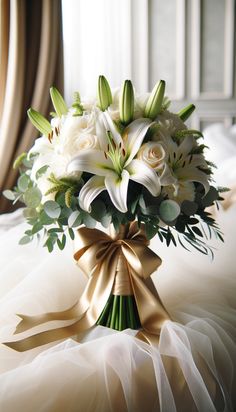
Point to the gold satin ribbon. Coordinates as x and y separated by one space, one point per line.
98 256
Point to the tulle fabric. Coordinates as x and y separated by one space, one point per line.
192 368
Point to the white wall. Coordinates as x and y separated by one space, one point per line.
189 43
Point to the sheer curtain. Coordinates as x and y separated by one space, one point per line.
190 44
104 37
30 56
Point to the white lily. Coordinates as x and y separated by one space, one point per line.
114 165
182 166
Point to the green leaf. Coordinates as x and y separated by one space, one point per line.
8 194
197 231
58 102
45 219
210 197
189 208
49 245
19 160
40 172
56 230
169 210
36 228
154 103
186 112
61 242
127 102
98 210
89 221
150 230
32 197
75 219
23 182
39 121
24 240
52 209
104 93
30 213
106 220
71 233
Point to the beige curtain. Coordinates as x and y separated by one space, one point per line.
31 62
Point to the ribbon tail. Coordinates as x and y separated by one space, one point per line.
28 322
151 310
49 336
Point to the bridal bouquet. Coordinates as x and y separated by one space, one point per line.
124 161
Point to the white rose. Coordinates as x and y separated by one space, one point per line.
169 123
73 127
153 154
86 141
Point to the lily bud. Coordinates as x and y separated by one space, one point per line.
104 93
127 102
41 124
185 113
58 102
154 103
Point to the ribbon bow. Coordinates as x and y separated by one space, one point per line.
97 256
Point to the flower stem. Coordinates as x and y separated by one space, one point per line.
114 311
119 313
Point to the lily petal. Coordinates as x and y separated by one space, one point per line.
89 191
192 174
141 173
197 160
91 161
186 146
117 188
167 177
109 126
133 137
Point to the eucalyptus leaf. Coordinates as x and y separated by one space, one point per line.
24 240
52 209
106 220
89 221
169 210
23 182
45 219
32 197
75 219
30 213
40 172
9 194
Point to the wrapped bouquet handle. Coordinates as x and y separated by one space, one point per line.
100 257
